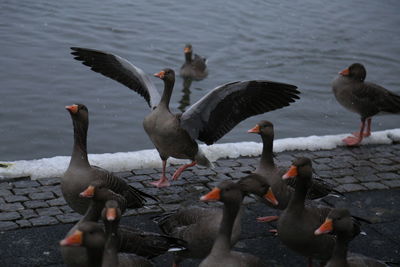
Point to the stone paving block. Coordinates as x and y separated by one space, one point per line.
392 183
168 199
244 169
23 223
144 171
322 160
49 211
33 204
222 170
66 209
49 188
25 184
321 167
387 168
220 177
237 175
11 207
28 213
360 163
43 220
58 192
5 185
346 180
388 176
341 172
368 178
350 188
4 226
69 218
9 216
2 200
340 164
41 196
379 161
374 186
228 163
136 185
56 202
25 191
5 192
203 172
15 198
197 179
49 181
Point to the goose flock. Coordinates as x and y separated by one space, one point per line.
314 231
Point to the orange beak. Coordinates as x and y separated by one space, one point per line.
326 227
160 74
214 194
73 240
187 50
345 72
271 197
292 172
111 214
89 192
255 129
73 108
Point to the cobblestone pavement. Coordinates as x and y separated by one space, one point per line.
31 203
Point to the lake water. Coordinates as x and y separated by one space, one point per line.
304 43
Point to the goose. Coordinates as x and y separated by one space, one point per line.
345 227
364 98
297 223
77 256
210 118
268 175
198 226
80 174
221 254
193 68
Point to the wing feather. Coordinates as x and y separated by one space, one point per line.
224 107
120 70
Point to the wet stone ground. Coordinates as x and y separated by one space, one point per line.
31 203
34 215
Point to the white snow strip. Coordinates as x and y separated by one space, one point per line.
125 161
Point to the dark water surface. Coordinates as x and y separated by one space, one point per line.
301 42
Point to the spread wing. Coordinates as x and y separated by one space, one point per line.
120 70
224 107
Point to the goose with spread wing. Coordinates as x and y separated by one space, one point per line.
207 120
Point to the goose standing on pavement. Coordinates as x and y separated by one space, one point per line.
207 120
365 98
221 254
194 68
80 174
345 227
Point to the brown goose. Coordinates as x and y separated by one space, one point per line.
111 216
198 227
80 174
207 120
267 174
231 195
297 222
345 227
193 68
365 98
77 256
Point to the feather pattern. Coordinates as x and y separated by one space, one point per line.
224 107
120 70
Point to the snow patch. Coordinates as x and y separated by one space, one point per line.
125 161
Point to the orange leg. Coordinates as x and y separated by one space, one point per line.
356 140
366 133
267 218
179 171
163 181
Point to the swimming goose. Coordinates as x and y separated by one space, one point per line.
80 174
207 120
221 254
193 68
365 98
345 227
